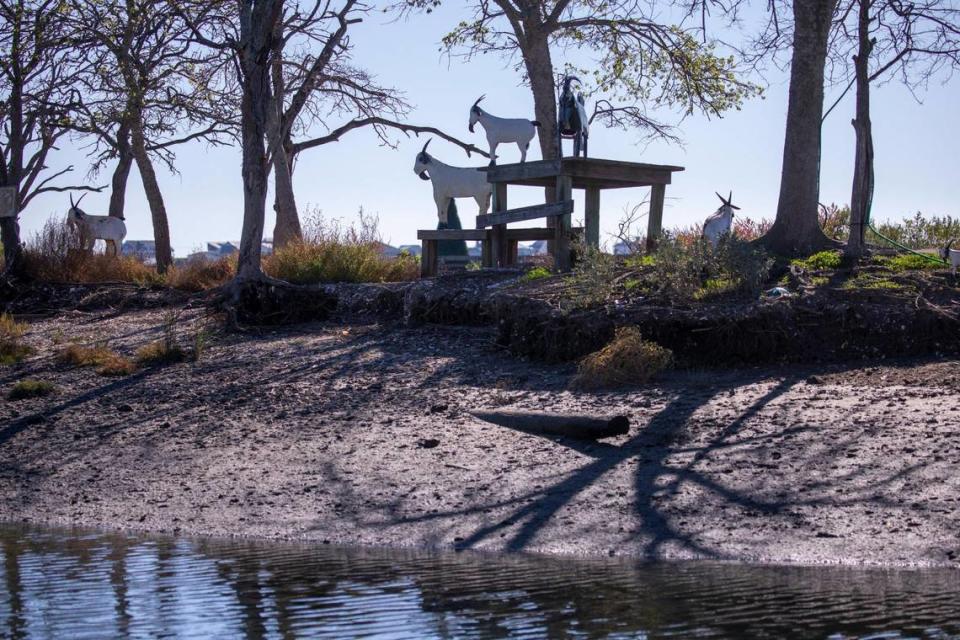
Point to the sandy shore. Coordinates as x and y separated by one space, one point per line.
323 432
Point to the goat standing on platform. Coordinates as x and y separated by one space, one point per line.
720 223
452 182
110 229
503 130
572 120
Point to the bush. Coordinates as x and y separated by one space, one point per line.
12 347
537 273
908 262
627 360
201 274
56 254
820 261
592 281
687 270
919 232
331 252
30 388
160 352
108 363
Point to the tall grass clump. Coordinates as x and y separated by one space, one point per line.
30 388
166 350
333 252
627 360
56 254
107 362
199 274
12 347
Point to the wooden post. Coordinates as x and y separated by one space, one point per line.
591 212
499 234
513 251
428 259
486 255
561 238
655 221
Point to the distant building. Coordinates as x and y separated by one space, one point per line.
412 249
217 250
144 250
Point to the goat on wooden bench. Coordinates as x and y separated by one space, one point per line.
452 182
519 131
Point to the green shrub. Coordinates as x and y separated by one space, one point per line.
919 231
591 282
908 262
819 261
683 269
537 273
627 360
30 388
12 347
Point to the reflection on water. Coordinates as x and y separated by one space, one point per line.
56 584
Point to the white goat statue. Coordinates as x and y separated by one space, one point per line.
721 222
110 229
952 256
452 182
503 130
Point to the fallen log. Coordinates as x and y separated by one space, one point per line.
568 425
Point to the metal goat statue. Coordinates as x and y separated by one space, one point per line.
572 120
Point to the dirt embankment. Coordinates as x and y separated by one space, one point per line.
363 434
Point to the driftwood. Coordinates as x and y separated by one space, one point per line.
569 425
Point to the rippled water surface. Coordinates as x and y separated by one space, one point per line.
56 584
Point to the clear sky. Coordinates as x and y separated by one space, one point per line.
917 152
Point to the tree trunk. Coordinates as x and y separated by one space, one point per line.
12 249
287 228
118 185
796 230
861 198
539 66
257 20
158 212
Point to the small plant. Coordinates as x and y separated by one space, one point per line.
819 261
592 280
30 388
107 362
908 262
537 273
166 350
627 360
200 340
12 347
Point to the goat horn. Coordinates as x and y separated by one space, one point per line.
721 198
80 199
479 99
424 150
72 203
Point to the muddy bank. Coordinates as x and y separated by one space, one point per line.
362 434
818 326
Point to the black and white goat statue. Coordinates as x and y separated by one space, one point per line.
519 131
572 120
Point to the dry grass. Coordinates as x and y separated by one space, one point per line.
160 352
107 362
332 252
200 275
12 347
30 388
55 254
627 360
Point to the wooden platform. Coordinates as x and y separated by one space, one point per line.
590 174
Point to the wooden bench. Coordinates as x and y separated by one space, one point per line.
430 239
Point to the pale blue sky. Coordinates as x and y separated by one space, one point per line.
916 152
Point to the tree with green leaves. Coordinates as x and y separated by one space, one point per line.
637 65
39 73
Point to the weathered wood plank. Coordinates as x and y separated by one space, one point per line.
526 213
499 231
586 173
525 171
452 234
655 221
428 259
534 233
561 241
591 213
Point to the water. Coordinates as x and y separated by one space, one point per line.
60 584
